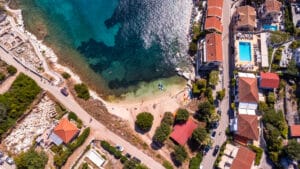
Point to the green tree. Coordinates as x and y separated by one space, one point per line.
293 150
66 75
31 159
11 70
213 78
205 109
162 133
167 165
2 76
82 91
168 118
85 166
195 161
199 135
144 121
292 68
193 48
182 116
179 154
221 94
271 98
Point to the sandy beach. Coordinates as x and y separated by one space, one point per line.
145 99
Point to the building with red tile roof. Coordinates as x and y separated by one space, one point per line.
269 80
213 24
272 10
213 47
248 91
295 130
65 130
245 18
214 11
244 159
247 130
215 3
182 132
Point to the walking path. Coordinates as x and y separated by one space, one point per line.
7 83
72 105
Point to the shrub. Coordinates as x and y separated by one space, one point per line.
199 135
31 159
271 98
182 116
79 140
258 151
167 165
221 94
195 161
66 75
144 121
193 48
73 116
16 100
209 95
213 78
82 91
2 76
179 154
161 133
168 118
11 70
123 159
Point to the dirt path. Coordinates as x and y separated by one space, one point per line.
7 83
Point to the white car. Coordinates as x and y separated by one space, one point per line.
9 161
120 148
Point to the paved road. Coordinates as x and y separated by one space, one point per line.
209 159
72 105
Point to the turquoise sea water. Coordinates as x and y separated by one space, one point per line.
125 42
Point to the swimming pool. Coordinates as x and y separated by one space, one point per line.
245 51
270 27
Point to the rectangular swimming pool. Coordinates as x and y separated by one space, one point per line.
245 51
270 27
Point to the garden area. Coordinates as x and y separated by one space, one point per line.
16 101
63 152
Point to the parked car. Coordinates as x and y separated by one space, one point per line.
137 160
64 91
206 149
297 9
216 150
1 154
298 24
120 148
213 134
9 161
214 125
128 155
1 161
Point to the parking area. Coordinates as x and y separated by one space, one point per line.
296 14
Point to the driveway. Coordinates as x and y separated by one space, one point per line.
209 159
296 17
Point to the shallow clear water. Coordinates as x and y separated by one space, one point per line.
125 42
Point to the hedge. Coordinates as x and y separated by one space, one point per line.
167 165
258 152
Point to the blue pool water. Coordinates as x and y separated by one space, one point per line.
270 27
245 51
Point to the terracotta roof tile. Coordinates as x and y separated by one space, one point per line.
248 91
295 130
214 47
244 159
215 3
182 132
248 126
247 16
213 23
65 130
272 6
213 11
269 80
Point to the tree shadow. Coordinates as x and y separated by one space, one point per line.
175 162
193 145
138 130
156 146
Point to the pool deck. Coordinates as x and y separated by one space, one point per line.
247 65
